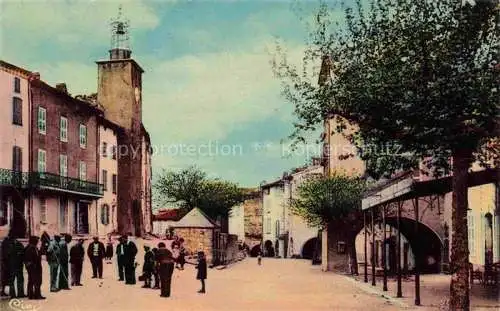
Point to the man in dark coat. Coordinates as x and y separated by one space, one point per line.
130 252
4 269
33 263
63 262
16 258
76 257
120 258
165 263
96 254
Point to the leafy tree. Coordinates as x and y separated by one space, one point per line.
190 188
334 202
217 197
419 75
181 188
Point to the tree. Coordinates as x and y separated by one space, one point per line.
421 76
191 188
333 202
181 188
217 197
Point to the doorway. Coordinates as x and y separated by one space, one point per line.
488 239
81 217
136 208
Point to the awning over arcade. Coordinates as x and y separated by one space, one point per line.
407 187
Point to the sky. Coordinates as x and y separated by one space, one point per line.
209 95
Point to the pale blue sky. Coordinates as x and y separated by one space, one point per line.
207 77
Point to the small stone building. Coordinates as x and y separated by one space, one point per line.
196 228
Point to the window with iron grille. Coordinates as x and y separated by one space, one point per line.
17 111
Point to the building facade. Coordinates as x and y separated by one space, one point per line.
14 144
108 165
284 233
64 162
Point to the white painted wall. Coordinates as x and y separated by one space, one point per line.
237 222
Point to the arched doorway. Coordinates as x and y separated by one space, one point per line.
426 246
268 249
254 252
488 239
308 250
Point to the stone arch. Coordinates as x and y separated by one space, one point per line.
269 248
427 246
254 252
309 248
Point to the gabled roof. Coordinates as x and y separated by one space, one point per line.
195 218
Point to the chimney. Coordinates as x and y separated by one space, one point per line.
35 75
62 87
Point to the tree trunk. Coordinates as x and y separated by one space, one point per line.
352 255
459 287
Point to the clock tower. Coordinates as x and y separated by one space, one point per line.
119 95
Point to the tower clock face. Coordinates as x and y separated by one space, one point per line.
137 94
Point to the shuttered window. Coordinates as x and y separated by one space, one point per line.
17 111
63 165
63 129
42 120
41 161
17 85
17 159
114 183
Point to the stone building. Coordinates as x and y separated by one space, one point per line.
245 219
200 233
119 93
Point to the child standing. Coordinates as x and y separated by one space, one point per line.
202 271
109 250
259 258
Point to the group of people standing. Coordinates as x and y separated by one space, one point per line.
159 263
15 257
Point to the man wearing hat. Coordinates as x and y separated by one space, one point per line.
130 251
76 257
148 266
33 263
165 263
96 252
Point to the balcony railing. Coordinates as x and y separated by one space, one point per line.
48 180
13 178
38 180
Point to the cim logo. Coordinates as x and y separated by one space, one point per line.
18 305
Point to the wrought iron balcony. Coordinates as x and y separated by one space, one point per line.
13 178
67 184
